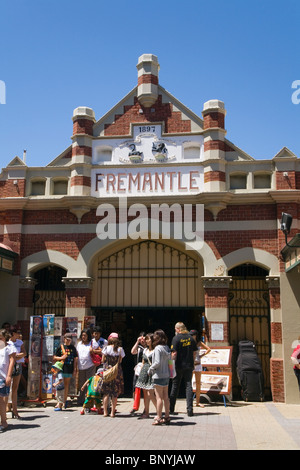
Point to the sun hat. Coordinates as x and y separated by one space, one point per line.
113 335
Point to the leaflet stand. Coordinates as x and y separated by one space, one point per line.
217 382
35 366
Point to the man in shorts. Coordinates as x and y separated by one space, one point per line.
184 349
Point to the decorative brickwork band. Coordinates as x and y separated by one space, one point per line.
83 126
276 333
78 292
81 181
277 380
26 291
81 150
214 176
214 119
148 78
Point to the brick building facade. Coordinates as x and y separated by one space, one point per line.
150 149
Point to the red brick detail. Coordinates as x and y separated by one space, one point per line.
216 297
297 179
214 145
275 298
277 380
249 212
26 297
225 242
78 298
81 150
70 244
214 176
41 217
148 78
161 112
225 331
83 126
214 120
81 181
276 333
9 189
285 182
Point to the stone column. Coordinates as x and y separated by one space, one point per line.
26 297
83 121
216 290
148 68
78 296
276 360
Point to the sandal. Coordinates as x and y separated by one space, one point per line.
166 420
143 416
157 422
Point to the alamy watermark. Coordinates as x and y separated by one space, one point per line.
296 94
159 221
2 92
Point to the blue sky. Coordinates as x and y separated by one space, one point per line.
56 56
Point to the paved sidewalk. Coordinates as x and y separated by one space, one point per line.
238 426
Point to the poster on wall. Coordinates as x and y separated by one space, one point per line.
214 382
34 353
220 356
89 322
70 325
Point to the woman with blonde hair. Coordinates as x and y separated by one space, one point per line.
159 371
112 354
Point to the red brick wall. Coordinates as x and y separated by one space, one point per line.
283 182
78 297
277 380
214 176
214 120
9 189
276 333
216 297
83 126
162 112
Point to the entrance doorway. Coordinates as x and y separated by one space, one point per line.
249 318
130 322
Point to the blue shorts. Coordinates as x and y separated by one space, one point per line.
4 391
67 376
161 382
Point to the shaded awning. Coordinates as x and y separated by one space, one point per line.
7 258
291 253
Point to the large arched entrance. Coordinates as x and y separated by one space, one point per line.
50 294
145 286
249 318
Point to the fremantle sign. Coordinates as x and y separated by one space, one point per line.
155 181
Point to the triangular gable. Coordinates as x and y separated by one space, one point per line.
285 153
63 159
16 162
167 109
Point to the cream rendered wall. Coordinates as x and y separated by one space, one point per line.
290 305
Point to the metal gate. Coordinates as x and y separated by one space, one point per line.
147 274
249 318
50 293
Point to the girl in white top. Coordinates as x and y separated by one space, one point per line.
86 367
17 373
7 360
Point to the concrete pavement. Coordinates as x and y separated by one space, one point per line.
238 426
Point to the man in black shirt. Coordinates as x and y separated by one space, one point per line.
183 349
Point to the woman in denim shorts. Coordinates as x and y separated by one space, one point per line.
7 361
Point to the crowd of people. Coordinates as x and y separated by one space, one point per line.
97 364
